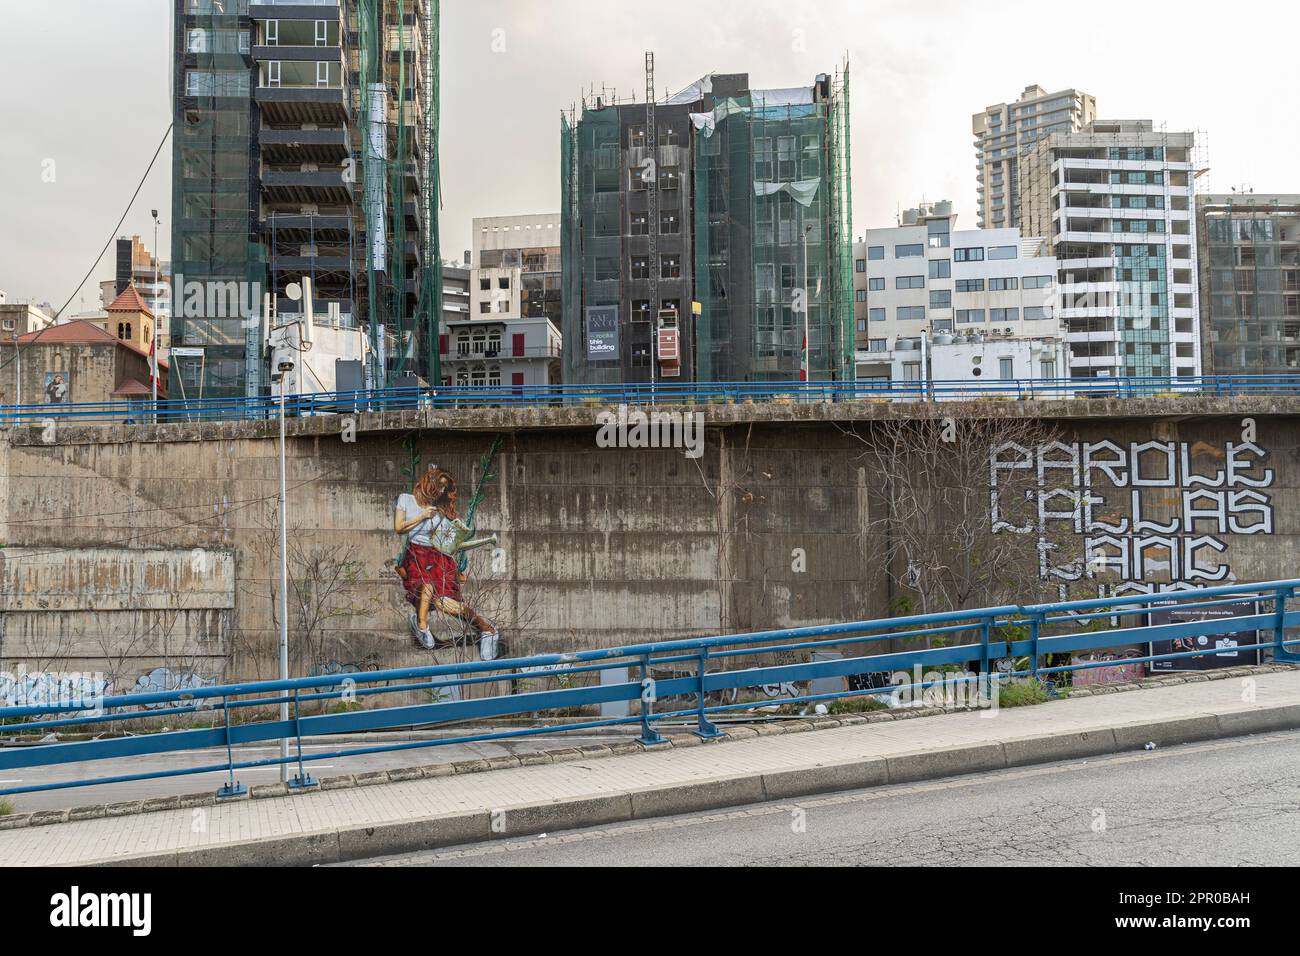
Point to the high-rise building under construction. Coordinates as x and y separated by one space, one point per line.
304 146
692 249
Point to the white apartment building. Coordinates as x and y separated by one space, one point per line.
1005 131
1116 204
511 335
938 304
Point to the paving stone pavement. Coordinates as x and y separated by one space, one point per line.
323 826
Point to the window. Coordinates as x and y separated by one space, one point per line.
670 224
968 255
970 315
1004 315
909 251
911 313
223 83
640 310
876 252
1035 312
938 230
503 282
670 267
877 345
639 224
1003 285
640 267
1003 252
970 285
909 282
1006 369
670 177
876 315
860 295
1047 368
876 285
485 285
941 298
1037 282
860 265
940 268
862 325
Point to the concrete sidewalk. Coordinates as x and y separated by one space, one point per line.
345 824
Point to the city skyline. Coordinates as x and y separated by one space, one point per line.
510 68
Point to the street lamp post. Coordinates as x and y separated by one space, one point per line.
284 368
153 342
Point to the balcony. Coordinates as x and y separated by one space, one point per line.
293 9
290 227
330 261
303 145
298 186
295 105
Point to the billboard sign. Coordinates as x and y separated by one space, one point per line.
1225 644
602 333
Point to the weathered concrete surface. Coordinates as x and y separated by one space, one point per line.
598 546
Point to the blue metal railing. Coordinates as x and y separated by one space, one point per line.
691 672
531 396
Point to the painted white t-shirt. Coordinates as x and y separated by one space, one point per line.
436 532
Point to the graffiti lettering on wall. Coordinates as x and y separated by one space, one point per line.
52 688
163 679
1151 509
333 668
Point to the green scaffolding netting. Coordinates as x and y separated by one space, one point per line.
766 166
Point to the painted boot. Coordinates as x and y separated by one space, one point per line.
422 636
490 645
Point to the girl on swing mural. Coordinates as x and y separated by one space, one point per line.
435 537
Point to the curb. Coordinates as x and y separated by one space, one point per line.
39 818
431 833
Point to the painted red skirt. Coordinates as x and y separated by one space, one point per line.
430 566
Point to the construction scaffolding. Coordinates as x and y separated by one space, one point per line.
774 228
397 125
286 169
215 231
763 243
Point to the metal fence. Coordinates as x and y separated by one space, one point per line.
698 671
496 396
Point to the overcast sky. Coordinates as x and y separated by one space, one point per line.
85 84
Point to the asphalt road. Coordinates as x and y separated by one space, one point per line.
210 781
1225 803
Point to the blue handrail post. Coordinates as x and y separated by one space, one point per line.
1035 629
649 736
707 730
302 779
985 685
232 788
1280 652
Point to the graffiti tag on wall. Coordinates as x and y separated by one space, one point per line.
1144 510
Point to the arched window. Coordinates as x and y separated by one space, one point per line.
120 327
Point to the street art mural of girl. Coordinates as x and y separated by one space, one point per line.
435 537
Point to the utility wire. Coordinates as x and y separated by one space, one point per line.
94 265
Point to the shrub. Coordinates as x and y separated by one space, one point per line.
857 705
1022 693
